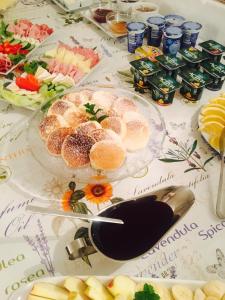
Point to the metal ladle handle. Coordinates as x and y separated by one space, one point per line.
220 204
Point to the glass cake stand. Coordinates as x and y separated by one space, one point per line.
33 168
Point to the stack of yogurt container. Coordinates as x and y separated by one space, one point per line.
182 66
171 30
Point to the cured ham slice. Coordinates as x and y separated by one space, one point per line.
26 28
5 63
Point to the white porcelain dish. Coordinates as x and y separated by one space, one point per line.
23 293
141 15
76 6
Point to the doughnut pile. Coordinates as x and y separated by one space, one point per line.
70 131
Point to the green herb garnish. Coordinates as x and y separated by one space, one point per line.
90 108
15 59
10 76
3 30
32 67
148 293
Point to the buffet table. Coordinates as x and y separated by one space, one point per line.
33 246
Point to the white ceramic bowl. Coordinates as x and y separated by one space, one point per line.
143 10
126 5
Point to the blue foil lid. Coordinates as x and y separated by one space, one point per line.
156 20
192 26
136 26
173 30
170 18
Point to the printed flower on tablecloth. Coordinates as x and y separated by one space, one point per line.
5 173
34 3
218 268
70 18
71 200
54 188
95 193
185 152
98 193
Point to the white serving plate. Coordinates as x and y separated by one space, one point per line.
23 293
76 6
80 82
204 134
103 26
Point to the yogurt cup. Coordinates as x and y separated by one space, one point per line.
163 89
190 34
172 40
170 64
213 49
193 83
135 35
216 71
193 57
143 69
174 20
156 25
148 51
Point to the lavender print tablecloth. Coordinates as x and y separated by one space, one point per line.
33 246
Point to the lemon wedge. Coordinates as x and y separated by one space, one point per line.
212 118
219 100
213 111
212 128
215 105
214 141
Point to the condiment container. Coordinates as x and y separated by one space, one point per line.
117 21
144 10
99 12
216 71
213 49
193 82
170 64
163 89
143 69
135 36
172 39
156 25
150 52
193 57
174 20
190 34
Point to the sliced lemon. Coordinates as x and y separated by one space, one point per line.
212 128
215 105
219 100
213 118
214 141
213 111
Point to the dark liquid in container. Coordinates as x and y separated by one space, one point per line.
145 222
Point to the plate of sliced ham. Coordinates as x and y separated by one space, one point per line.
18 40
38 81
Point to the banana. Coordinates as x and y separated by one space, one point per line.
199 295
214 288
181 292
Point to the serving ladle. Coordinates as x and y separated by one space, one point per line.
59 213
